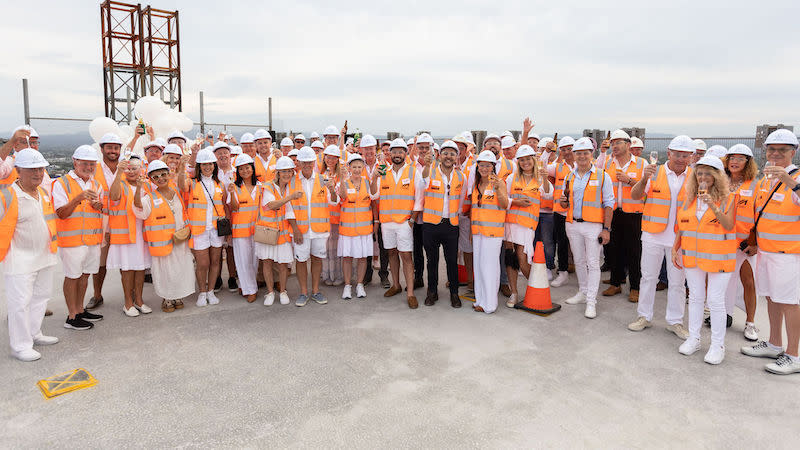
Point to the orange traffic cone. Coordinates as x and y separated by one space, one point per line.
537 296
462 270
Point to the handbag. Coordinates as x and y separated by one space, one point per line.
264 234
752 237
223 223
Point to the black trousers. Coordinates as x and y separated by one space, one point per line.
384 256
419 258
626 234
446 235
562 243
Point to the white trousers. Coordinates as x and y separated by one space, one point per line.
717 284
734 295
652 256
26 296
586 256
486 272
246 264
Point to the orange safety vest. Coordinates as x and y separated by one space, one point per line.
592 208
243 220
397 196
196 206
656 206
527 217
159 227
745 208
274 218
12 177
435 198
320 214
100 177
121 221
356 210
562 171
779 226
9 212
488 218
85 225
506 167
634 171
706 245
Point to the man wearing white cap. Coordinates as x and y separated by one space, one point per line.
177 138
299 141
777 208
28 254
286 146
330 136
558 172
509 147
700 150
663 188
227 175
76 199
533 139
636 146
265 158
153 150
313 137
423 143
369 149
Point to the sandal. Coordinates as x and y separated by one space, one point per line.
477 309
178 304
167 306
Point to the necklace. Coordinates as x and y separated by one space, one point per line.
34 194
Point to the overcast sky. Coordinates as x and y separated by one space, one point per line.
698 67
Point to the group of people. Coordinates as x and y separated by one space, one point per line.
704 222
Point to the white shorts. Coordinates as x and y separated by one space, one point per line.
208 239
777 277
464 234
397 235
311 247
80 260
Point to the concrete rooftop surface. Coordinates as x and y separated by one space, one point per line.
372 373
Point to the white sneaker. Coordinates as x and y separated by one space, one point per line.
27 355
511 301
347 292
44 340
591 311
576 299
131 312
269 298
212 298
750 332
715 354
360 292
284 298
549 275
761 350
689 346
640 324
784 365
144 309
560 280
201 299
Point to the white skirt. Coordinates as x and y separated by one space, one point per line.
134 256
517 234
281 253
355 246
173 274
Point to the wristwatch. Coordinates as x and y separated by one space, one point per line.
605 228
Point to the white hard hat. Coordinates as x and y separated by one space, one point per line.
718 151
487 156
636 143
398 143
699 144
172 149
368 141
507 142
34 134
424 138
28 158
333 150
306 154
460 138
219 144
781 136
157 142
713 161
566 141
531 134
176 135
737 149
314 134
449 144
156 165
543 142
109 138
583 143
410 141
85 153
205 156
682 143
262 134
524 150
506 133
236 150
286 142
30 129
284 162
317 144
300 137
354 157
349 141
331 130
436 146
491 136
247 138
293 152
620 134
469 137
243 159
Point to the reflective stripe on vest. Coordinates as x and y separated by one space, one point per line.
197 205
397 196
121 221
85 225
655 214
528 216
320 214
159 227
634 171
562 172
745 208
592 208
243 220
489 218
274 218
356 217
9 213
779 226
705 244
435 197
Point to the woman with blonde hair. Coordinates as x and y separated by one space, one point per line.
332 274
742 171
705 247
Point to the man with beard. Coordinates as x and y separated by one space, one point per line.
369 147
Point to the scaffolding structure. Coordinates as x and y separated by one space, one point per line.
141 56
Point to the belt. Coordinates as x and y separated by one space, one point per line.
579 220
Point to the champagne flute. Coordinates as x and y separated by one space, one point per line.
702 188
653 157
767 164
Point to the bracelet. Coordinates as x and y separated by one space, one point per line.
605 228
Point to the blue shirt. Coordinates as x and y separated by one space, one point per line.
579 186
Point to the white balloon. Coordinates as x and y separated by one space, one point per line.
96 147
102 125
149 108
184 123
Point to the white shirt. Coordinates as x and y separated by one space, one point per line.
226 177
210 186
666 238
623 169
30 245
60 197
109 177
419 185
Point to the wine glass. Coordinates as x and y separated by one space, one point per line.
767 164
702 188
654 157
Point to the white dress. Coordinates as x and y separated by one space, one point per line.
134 256
173 274
281 253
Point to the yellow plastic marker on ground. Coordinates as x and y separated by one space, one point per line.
66 382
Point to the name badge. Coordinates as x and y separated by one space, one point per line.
778 197
594 183
218 190
405 181
489 192
747 193
157 201
632 174
436 183
351 191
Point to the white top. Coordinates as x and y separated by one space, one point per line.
623 168
667 237
210 186
60 197
419 185
30 245
226 177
